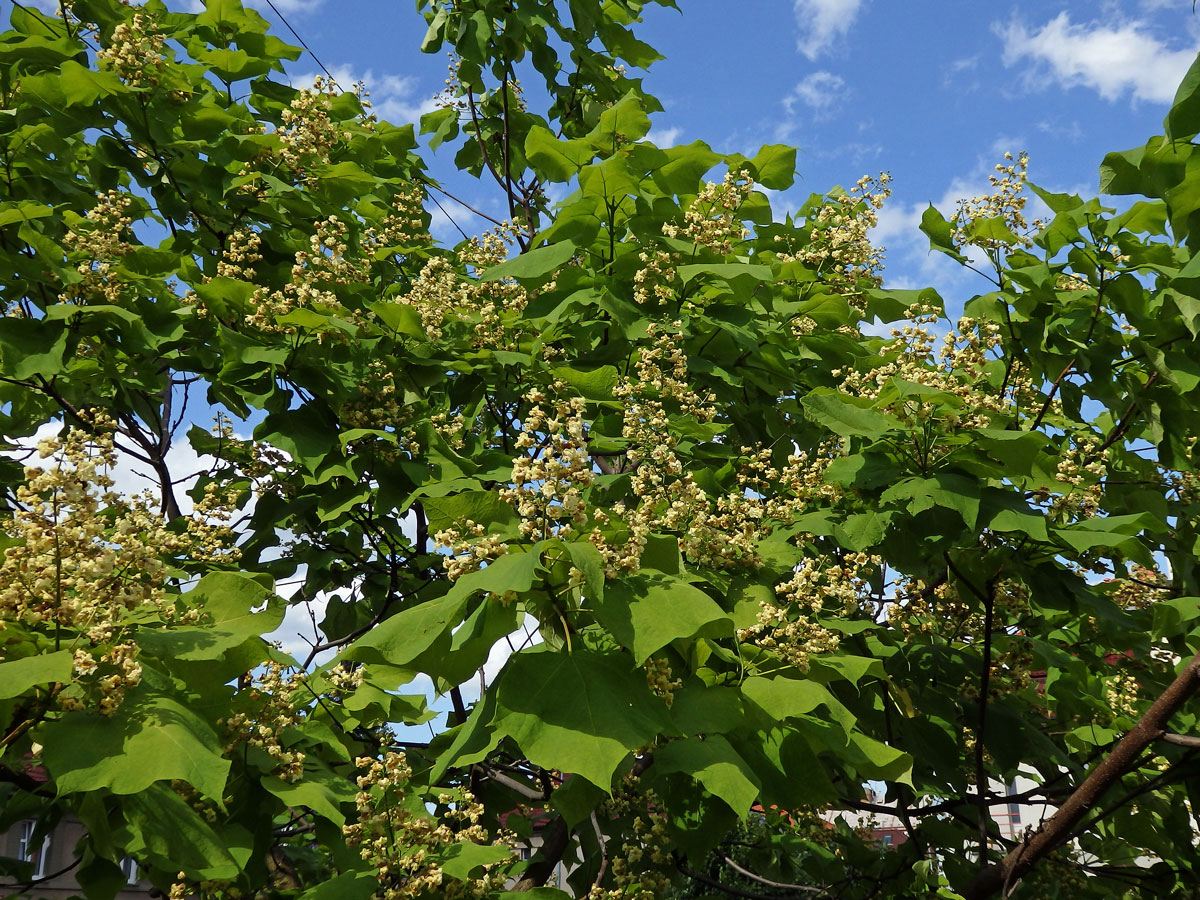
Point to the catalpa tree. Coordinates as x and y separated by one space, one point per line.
740 556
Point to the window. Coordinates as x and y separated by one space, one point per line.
28 851
130 867
1014 809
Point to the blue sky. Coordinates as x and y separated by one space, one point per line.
933 91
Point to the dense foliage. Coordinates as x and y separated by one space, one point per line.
739 556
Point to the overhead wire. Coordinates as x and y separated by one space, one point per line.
303 43
334 81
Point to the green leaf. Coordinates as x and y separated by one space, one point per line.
22 211
75 85
862 470
587 559
175 837
343 181
849 668
993 229
452 511
594 384
843 417
1021 521
1120 532
727 271
30 347
626 119
862 530
1058 203
462 859
784 698
775 166
19 675
1183 119
647 615
580 712
875 759
706 710
555 160
322 796
238 604
151 737
402 638
623 45
402 318
577 798
956 492
940 233
687 164
1172 614
534 264
716 765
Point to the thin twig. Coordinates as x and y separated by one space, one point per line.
603 850
785 885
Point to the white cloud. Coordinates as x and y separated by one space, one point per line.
961 75
822 22
664 137
394 98
1111 59
821 92
818 91
1065 131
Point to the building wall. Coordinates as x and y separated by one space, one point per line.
59 853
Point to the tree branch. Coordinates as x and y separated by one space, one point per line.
787 886
555 838
1060 826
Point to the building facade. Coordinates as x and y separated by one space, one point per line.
53 863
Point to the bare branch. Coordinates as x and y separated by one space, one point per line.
1060 826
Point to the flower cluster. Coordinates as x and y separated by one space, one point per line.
315 275
1080 468
379 404
439 291
553 470
957 371
839 245
452 428
307 133
1005 204
469 548
84 560
134 52
401 842
783 491
666 498
1121 695
451 96
658 677
711 220
716 531
817 586
240 254
271 707
639 870
406 224
1141 589
100 241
